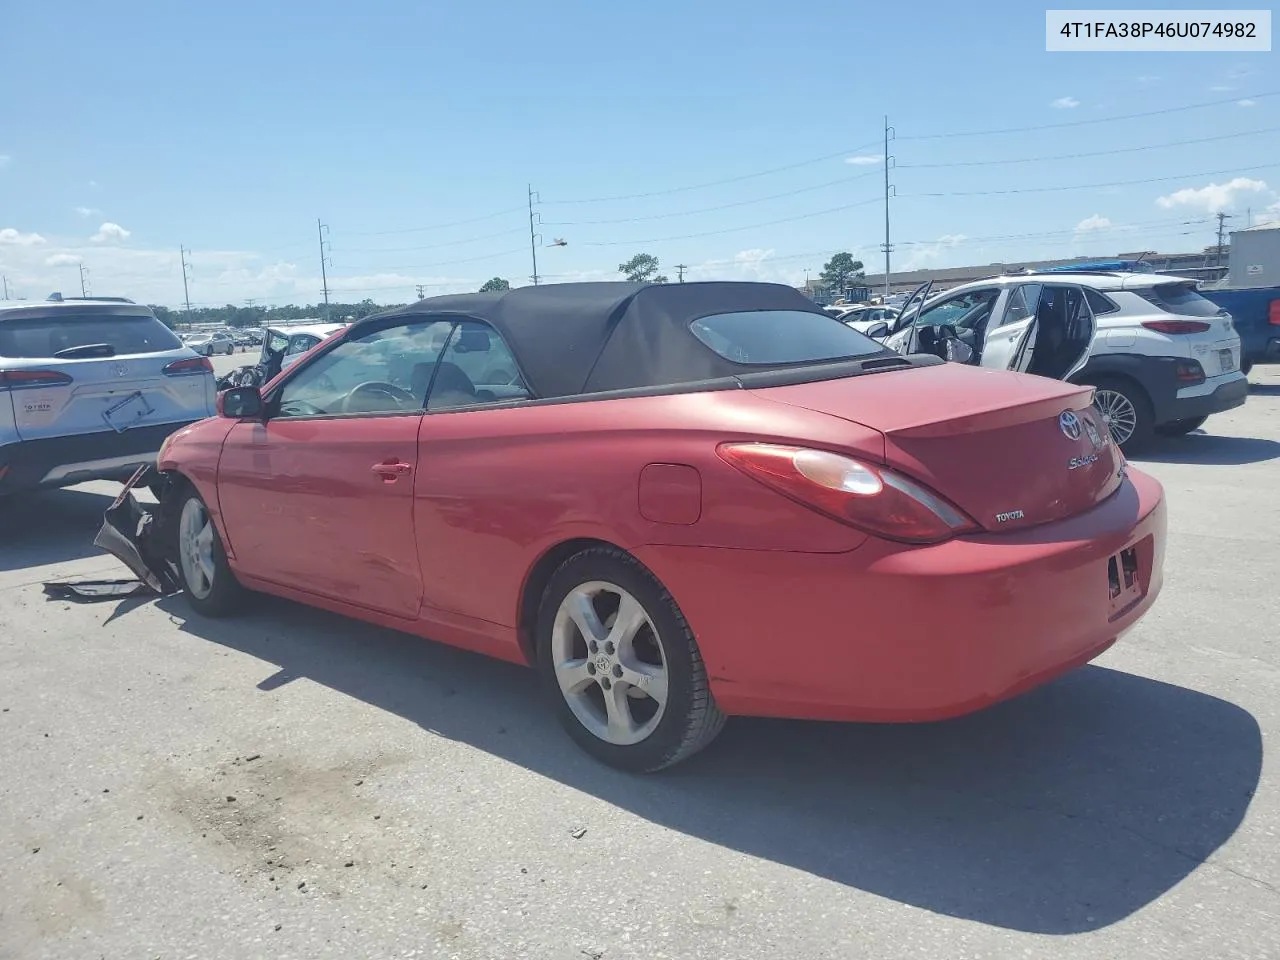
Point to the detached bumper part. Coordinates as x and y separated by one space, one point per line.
137 535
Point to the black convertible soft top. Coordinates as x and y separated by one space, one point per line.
575 338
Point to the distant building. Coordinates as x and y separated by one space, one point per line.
1209 264
1255 256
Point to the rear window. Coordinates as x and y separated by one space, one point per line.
761 337
1179 298
44 337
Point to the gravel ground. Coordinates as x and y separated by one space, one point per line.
294 784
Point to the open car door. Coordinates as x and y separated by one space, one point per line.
1045 329
903 338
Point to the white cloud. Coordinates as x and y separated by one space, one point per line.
1213 197
110 231
1065 103
922 254
1246 103
87 212
10 237
1222 88
1093 223
865 159
5 160
1147 80
63 260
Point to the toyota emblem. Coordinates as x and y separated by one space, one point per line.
1069 423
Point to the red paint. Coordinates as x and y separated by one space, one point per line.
432 524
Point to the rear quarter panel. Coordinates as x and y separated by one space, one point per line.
496 489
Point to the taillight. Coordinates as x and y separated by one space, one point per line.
27 379
1273 313
191 365
869 497
1176 327
1189 371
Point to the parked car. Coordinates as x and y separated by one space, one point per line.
1161 357
89 389
658 494
213 343
281 348
1256 314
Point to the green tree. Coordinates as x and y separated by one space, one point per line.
841 272
495 285
642 268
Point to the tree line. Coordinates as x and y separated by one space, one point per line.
840 274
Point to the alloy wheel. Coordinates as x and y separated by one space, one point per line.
195 548
1118 413
609 663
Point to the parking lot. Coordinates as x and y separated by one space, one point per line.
294 784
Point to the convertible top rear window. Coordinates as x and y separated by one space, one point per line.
770 337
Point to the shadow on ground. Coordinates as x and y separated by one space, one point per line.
1060 812
52 526
1200 447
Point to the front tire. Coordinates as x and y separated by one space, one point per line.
1126 410
210 586
621 666
1180 428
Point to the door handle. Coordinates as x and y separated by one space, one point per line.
391 470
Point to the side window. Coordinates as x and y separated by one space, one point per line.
277 342
301 344
476 367
1099 303
386 371
1022 303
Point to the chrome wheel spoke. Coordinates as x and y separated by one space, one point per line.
574 677
620 726
628 621
583 613
645 678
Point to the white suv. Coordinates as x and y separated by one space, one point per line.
1162 357
89 389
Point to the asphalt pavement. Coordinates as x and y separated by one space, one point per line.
297 785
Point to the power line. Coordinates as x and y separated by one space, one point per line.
717 183
433 246
1082 123
722 206
1082 156
437 226
749 226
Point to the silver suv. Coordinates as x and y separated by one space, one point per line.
89 389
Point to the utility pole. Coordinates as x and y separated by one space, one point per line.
84 286
422 287
1222 220
887 247
6 287
533 237
680 269
186 292
321 230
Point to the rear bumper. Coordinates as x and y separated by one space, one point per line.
894 633
64 461
1230 393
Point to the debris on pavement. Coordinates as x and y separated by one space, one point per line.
96 591
579 833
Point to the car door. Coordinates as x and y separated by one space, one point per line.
901 336
1010 336
318 496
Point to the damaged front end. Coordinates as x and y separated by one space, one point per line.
143 536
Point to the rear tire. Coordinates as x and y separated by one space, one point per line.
1126 410
210 586
621 666
1180 428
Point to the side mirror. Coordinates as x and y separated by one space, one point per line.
878 331
240 403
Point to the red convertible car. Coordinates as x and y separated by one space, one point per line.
678 502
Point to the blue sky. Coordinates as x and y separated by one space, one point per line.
231 127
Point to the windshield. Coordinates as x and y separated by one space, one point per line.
46 337
781 336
